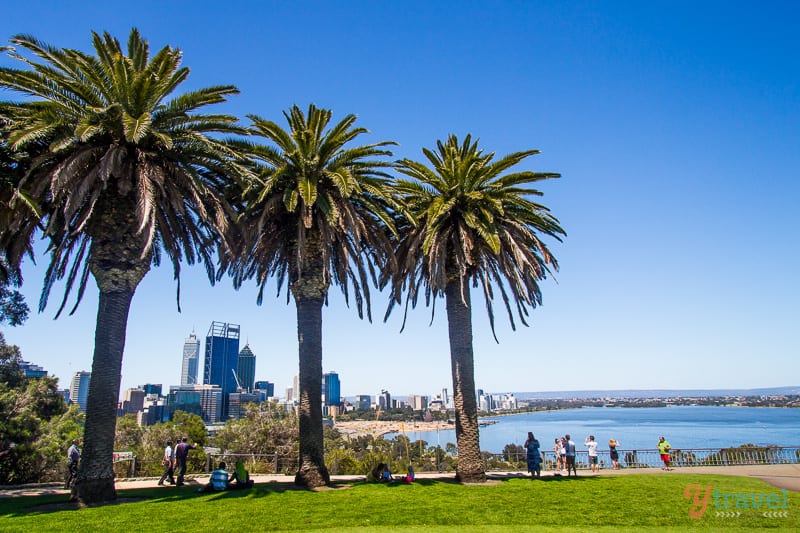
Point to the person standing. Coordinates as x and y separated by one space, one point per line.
561 453
169 465
73 456
592 445
612 451
181 455
569 446
533 456
663 449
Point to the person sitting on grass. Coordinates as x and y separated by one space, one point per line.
218 481
376 474
240 479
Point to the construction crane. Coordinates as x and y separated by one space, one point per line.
238 385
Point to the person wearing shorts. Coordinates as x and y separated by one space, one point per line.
592 445
569 446
663 449
613 452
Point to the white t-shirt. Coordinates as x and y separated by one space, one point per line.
592 445
168 454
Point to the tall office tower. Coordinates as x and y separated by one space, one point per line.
191 355
267 387
363 401
247 368
151 388
331 389
417 403
445 401
79 389
384 400
31 370
205 401
133 401
222 360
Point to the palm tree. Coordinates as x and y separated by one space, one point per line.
122 176
470 222
316 214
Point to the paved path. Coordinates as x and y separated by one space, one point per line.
785 476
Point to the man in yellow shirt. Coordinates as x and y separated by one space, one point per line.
663 449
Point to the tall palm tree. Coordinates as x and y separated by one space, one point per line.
123 175
470 222
316 214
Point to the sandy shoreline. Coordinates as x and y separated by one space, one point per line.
381 427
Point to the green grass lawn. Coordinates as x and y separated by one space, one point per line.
610 503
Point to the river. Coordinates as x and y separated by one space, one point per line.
639 428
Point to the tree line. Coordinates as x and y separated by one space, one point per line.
118 171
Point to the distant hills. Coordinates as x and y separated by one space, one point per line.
655 393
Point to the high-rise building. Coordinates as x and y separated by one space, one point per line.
267 387
206 401
363 401
247 368
417 403
133 401
31 370
151 388
236 402
331 389
79 389
191 355
384 400
222 360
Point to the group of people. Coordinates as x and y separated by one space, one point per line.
565 451
221 480
382 474
173 458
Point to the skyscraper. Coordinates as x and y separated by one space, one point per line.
222 360
331 389
133 400
267 387
247 368
191 355
79 389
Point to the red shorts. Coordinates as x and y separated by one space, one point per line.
665 457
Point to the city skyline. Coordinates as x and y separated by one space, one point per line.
674 130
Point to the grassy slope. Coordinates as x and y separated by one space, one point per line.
618 503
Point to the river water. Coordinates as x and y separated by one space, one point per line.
639 428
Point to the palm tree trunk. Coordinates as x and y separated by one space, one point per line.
312 471
118 264
470 467
95 481
309 287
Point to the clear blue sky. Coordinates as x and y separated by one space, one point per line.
675 126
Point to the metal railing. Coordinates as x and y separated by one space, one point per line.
651 458
515 461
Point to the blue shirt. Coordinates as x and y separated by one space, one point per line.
219 479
